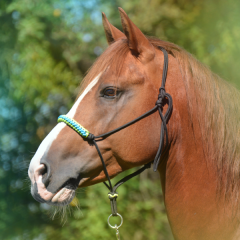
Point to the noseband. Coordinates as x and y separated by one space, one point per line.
163 98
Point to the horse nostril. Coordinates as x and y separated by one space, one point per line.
44 171
40 170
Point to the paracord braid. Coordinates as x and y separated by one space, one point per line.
74 125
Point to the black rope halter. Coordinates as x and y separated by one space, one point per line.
163 98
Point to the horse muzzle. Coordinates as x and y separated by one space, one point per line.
62 196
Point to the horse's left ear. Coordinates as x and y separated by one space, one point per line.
137 42
111 32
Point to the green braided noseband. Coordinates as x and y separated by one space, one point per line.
74 125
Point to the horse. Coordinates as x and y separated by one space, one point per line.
199 165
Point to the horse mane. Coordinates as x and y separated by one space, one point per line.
215 101
217 104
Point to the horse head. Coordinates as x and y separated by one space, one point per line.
123 84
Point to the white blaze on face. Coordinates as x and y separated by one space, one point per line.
44 146
73 110
47 142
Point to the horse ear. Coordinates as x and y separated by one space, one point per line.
137 42
112 33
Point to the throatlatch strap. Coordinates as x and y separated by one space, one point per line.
163 98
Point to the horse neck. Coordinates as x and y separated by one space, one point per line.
189 176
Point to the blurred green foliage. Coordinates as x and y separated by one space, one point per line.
46 48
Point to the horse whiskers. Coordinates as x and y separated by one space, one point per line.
64 214
32 152
80 190
54 213
64 210
25 188
21 167
61 210
27 180
26 184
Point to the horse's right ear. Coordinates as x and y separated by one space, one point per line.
137 42
112 33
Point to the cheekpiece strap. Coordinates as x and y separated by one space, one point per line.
74 125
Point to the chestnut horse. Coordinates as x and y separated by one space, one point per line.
200 167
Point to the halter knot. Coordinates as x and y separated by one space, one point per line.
159 102
161 96
90 137
112 195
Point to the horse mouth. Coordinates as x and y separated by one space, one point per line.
63 196
60 198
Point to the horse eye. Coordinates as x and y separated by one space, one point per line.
110 92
